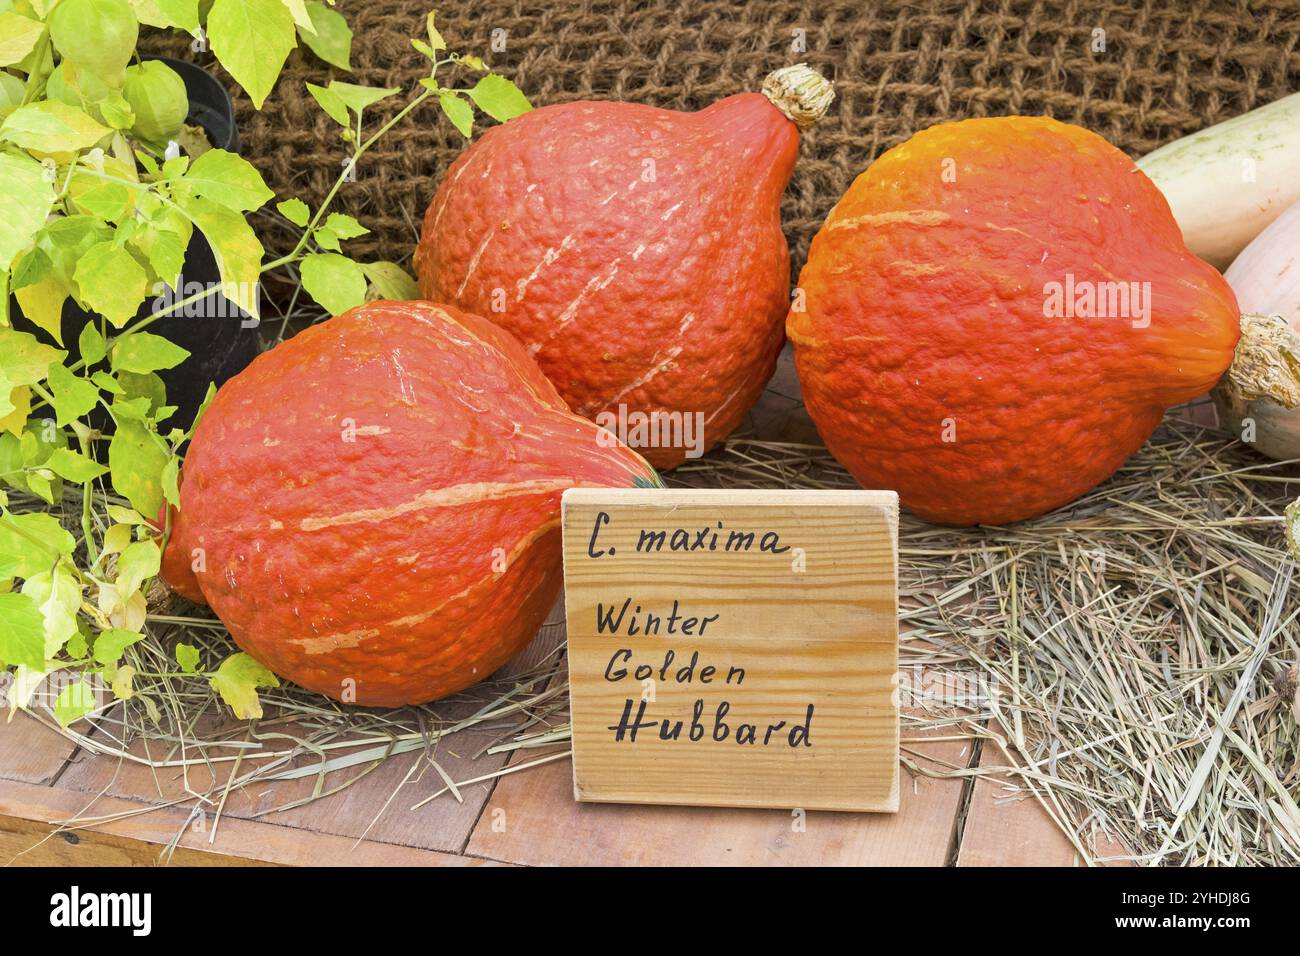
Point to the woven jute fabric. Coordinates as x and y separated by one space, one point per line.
1139 73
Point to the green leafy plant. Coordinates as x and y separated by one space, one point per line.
101 189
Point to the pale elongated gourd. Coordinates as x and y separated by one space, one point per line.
1259 401
1226 183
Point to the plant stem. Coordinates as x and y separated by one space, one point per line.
343 177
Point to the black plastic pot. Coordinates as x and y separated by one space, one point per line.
220 338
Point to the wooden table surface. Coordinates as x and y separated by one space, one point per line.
132 814
146 816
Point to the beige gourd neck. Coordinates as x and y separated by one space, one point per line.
800 92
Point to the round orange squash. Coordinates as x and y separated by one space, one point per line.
373 507
636 252
997 314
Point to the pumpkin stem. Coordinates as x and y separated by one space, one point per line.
800 92
1266 363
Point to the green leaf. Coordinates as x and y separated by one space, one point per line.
330 102
344 226
295 210
337 226
156 94
136 458
22 632
73 396
499 98
25 201
31 543
110 644
107 382
106 200
171 482
116 111
144 352
251 39
237 680
187 655
97 34
334 281
238 253
77 87
183 14
459 112
24 360
18 36
136 564
164 249
12 91
51 126
65 240
75 701
391 281
116 538
91 344
111 282
229 180
332 41
57 594
358 98
74 467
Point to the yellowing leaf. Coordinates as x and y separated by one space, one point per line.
187 656
237 251
388 280
14 409
18 36
23 359
237 680
139 562
51 126
25 201
57 594
42 302
111 282
116 538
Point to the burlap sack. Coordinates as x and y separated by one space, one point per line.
1140 73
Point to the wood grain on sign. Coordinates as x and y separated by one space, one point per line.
733 648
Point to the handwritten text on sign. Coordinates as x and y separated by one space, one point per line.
733 648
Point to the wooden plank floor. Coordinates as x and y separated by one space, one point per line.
145 817
134 816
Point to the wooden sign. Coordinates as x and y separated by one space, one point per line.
733 648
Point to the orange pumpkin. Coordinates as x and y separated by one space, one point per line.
373 506
997 314
636 252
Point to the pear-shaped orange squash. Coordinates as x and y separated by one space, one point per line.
373 507
998 313
636 252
